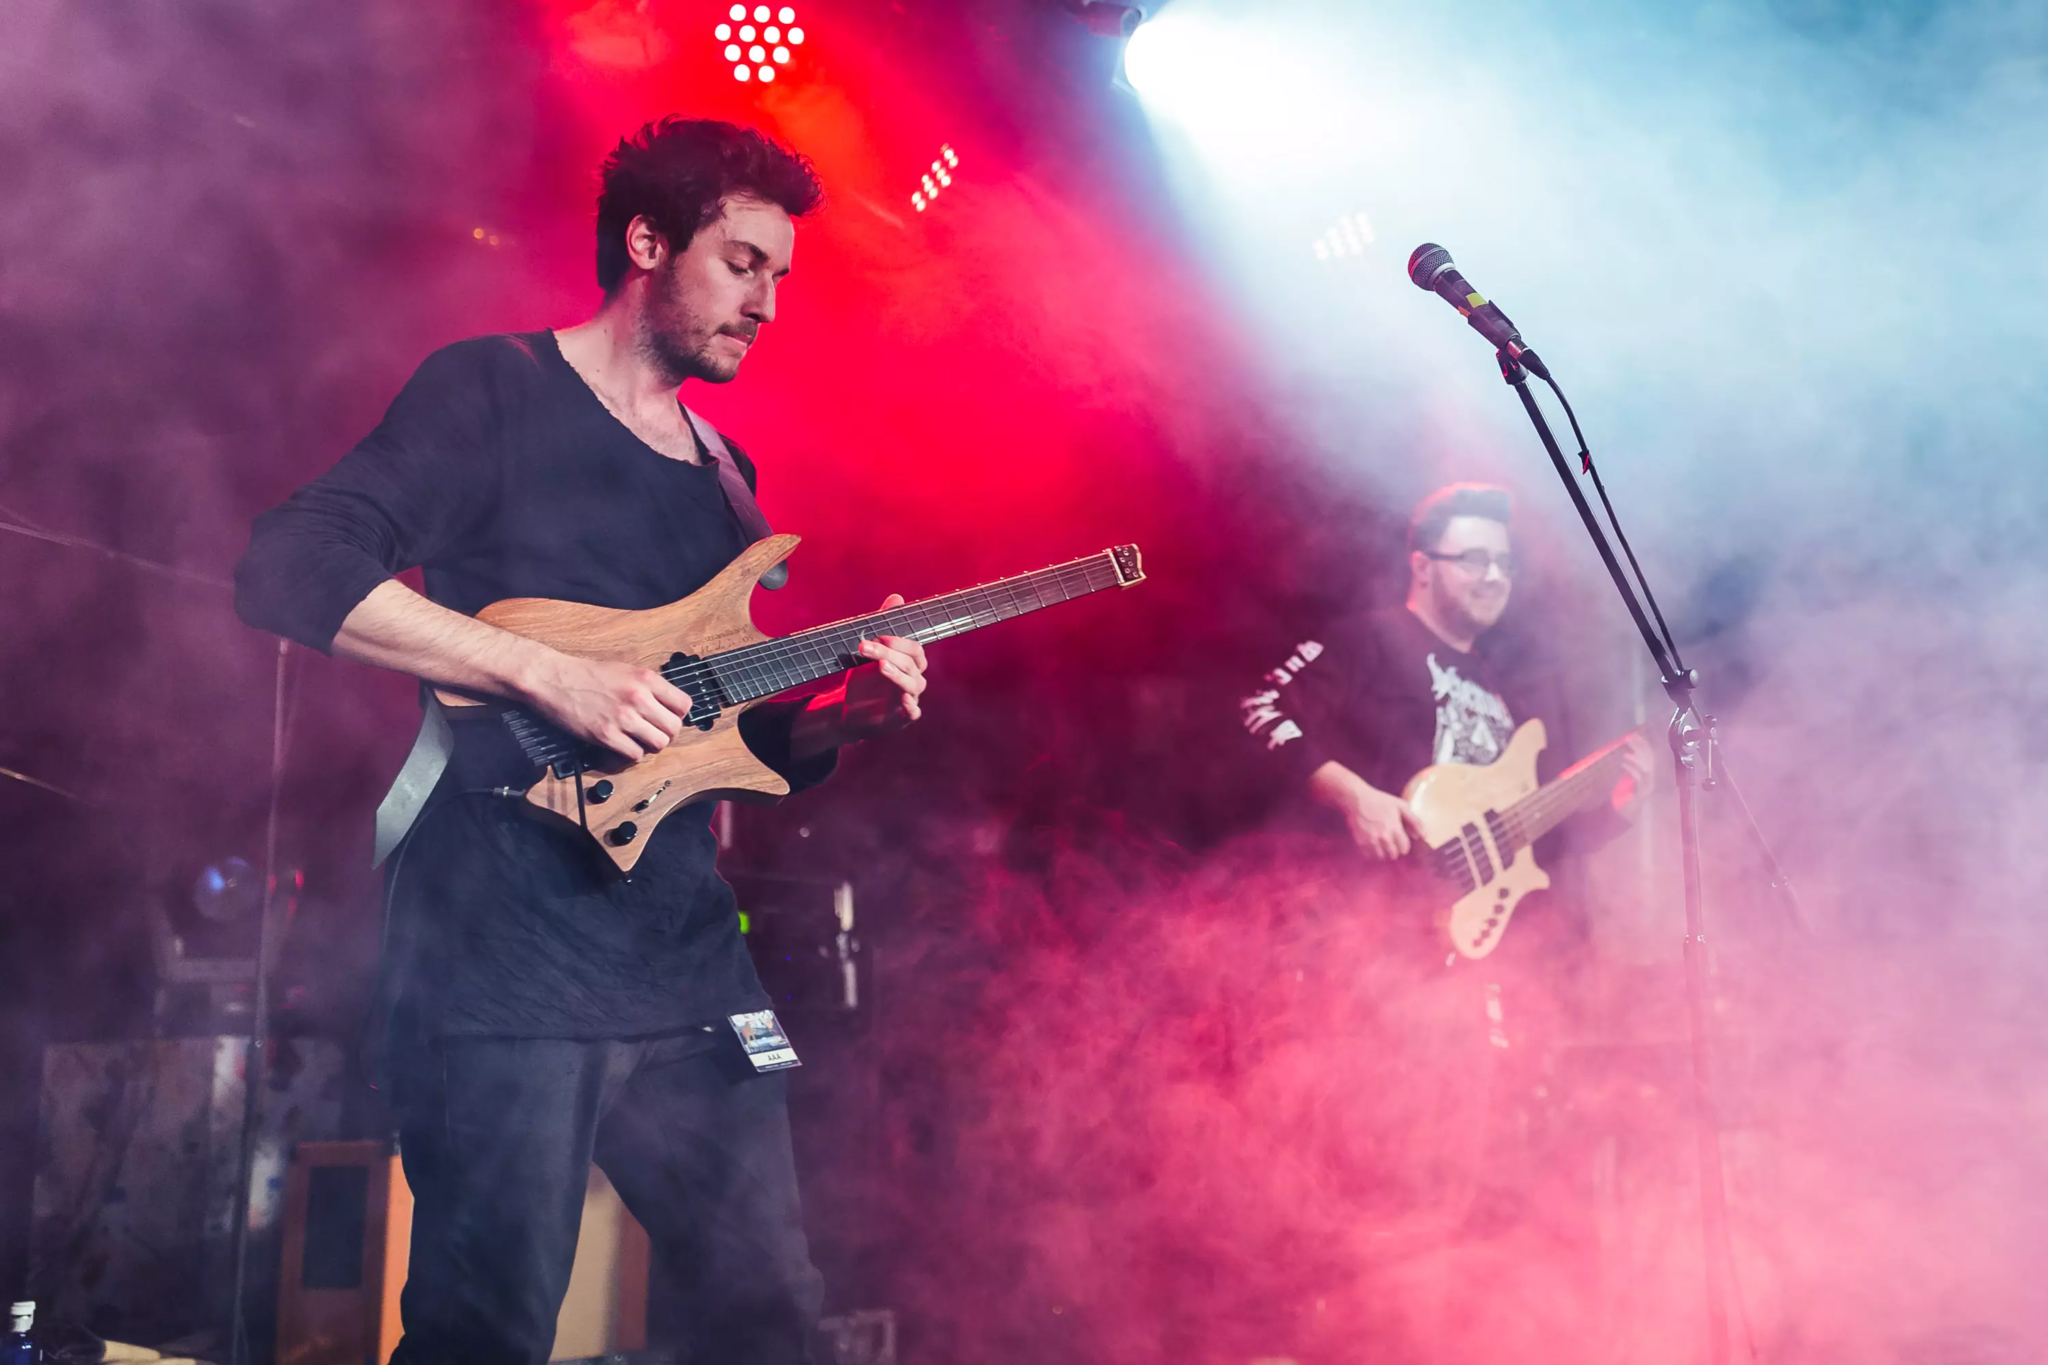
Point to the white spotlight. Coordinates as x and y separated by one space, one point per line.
1153 53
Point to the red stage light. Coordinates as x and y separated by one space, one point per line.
766 47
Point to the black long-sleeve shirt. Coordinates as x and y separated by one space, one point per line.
1384 696
499 472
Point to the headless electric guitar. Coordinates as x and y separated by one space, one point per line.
1479 823
706 644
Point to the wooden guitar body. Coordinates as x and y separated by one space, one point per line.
622 803
1453 802
707 645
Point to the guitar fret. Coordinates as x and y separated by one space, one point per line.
778 665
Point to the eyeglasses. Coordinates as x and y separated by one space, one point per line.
1478 561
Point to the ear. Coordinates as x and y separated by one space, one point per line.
1418 565
645 246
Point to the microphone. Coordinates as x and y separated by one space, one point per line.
1430 267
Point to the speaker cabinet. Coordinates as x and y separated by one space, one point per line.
347 1228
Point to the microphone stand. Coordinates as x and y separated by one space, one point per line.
1693 739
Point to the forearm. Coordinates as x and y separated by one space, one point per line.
396 628
1337 786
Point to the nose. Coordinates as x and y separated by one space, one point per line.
760 305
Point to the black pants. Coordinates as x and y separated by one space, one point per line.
498 1135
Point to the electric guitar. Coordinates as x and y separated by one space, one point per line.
1479 823
707 645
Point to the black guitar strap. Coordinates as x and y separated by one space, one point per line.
737 494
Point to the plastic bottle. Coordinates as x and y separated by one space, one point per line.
20 1347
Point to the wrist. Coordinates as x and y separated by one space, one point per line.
527 670
1332 782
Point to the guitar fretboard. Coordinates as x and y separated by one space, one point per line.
761 670
1542 810
1465 860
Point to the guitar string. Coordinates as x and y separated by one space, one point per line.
752 664
820 646
1565 792
787 648
1531 821
1455 859
760 663
762 670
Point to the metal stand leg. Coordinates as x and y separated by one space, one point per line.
1689 755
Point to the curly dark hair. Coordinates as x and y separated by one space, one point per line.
679 172
1426 524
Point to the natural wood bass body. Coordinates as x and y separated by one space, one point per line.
1480 823
708 645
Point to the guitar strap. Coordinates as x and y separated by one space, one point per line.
400 809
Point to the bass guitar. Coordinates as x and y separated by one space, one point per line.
1479 823
707 645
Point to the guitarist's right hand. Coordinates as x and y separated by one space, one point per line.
1382 825
632 711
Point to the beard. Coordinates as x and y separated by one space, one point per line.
683 352
1477 615
683 346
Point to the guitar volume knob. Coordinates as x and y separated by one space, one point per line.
621 834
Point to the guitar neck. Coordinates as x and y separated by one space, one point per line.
773 666
1541 811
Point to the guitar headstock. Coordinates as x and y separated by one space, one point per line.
1130 565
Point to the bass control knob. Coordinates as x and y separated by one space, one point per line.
621 834
600 792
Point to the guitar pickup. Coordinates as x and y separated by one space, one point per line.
688 672
1476 846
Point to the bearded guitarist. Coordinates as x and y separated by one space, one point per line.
1354 714
1349 718
546 1011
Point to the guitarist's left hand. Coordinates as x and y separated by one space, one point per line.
1638 776
877 698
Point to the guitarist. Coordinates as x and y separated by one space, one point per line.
1351 716
543 1011
1348 718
